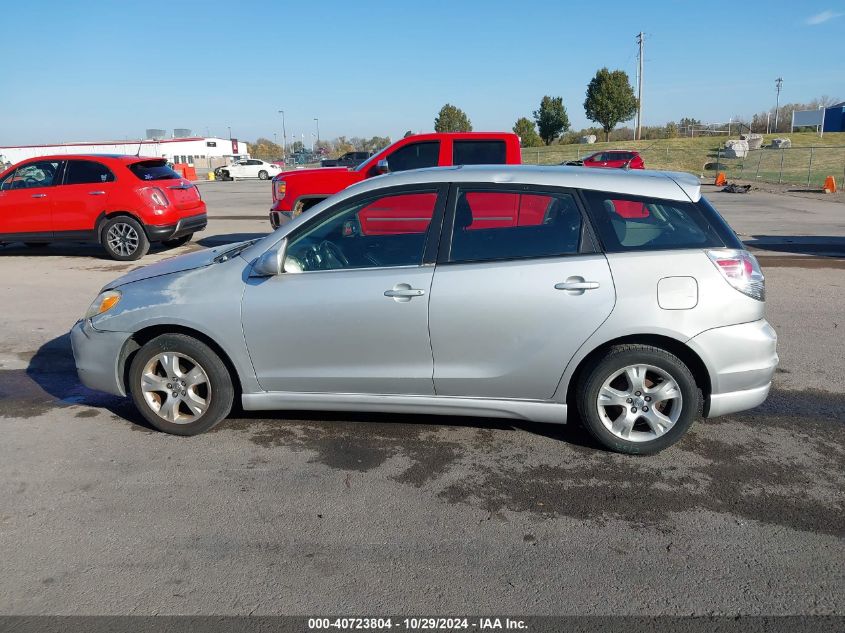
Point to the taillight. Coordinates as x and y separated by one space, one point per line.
279 189
155 197
741 270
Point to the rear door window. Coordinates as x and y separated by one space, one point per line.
478 153
415 156
495 225
631 223
153 170
82 172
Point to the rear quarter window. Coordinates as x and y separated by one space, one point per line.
153 170
632 223
478 153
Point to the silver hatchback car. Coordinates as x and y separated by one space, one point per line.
514 292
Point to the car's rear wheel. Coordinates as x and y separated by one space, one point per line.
179 241
263 175
124 239
180 385
638 399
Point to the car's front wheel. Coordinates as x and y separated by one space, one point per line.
638 399
124 239
180 385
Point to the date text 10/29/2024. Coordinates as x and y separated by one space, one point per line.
416 624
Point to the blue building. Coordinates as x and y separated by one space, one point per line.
834 118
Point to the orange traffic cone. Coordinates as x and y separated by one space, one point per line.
721 181
830 184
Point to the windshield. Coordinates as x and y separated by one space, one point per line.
369 162
153 170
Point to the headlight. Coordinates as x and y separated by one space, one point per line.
105 302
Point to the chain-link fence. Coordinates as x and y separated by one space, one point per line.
807 166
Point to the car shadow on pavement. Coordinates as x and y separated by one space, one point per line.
228 238
50 382
816 245
73 249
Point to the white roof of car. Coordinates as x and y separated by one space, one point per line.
668 185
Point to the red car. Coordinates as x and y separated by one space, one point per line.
122 202
615 158
295 191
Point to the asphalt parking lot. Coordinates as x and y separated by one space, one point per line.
378 514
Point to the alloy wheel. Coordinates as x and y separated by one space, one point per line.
123 239
639 403
176 387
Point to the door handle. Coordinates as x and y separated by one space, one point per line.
96 193
402 293
405 292
39 195
577 285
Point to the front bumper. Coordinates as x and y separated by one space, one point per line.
741 360
185 226
98 357
280 218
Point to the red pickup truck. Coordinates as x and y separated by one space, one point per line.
294 191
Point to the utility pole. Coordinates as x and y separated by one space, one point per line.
778 84
640 41
284 137
318 130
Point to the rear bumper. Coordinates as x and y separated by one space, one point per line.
97 355
185 226
741 360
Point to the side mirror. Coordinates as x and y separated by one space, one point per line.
382 167
269 264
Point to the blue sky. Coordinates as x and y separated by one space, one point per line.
92 70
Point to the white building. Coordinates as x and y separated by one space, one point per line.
197 150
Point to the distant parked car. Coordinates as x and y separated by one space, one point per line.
248 168
612 158
122 202
349 159
494 291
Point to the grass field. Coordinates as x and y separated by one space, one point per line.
809 156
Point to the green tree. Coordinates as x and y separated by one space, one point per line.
610 99
524 129
551 118
452 119
297 146
671 130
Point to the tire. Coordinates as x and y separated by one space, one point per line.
199 406
628 422
37 244
263 175
179 241
124 239
224 175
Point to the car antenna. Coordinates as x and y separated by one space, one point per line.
138 153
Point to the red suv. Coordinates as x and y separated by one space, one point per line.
617 158
122 202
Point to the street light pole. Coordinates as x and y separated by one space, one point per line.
230 132
284 137
778 84
318 129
